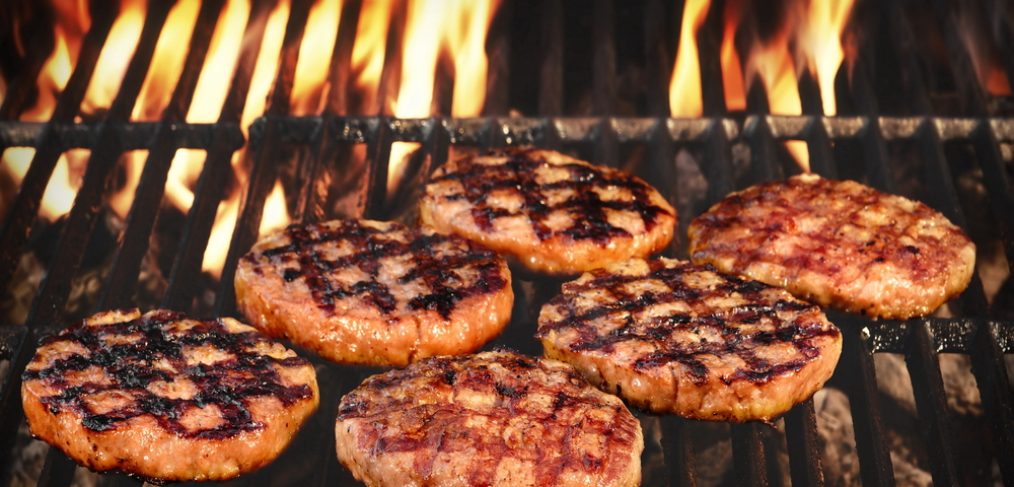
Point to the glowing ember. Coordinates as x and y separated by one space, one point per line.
685 97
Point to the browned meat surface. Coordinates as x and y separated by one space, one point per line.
552 213
165 397
495 418
367 292
674 337
839 244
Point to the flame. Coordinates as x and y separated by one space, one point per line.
274 207
732 68
309 89
58 197
772 63
369 49
685 97
220 63
167 60
984 55
72 21
116 53
821 43
458 29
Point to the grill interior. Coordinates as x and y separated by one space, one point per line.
338 166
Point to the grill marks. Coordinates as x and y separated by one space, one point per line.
703 324
133 354
838 243
431 260
493 408
519 173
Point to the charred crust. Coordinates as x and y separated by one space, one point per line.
130 363
518 174
772 321
302 259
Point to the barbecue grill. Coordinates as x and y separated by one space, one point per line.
731 151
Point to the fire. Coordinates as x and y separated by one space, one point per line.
772 63
984 55
368 52
821 42
309 89
685 96
732 68
456 29
58 197
72 21
223 53
116 53
167 61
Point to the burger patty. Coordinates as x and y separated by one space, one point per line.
165 397
495 418
368 292
839 244
552 213
674 337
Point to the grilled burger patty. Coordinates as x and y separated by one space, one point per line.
495 418
838 243
165 397
553 213
368 292
674 337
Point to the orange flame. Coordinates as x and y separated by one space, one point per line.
732 68
685 96
821 43
368 51
58 197
772 63
984 55
458 29
309 89
167 61
223 53
116 53
260 85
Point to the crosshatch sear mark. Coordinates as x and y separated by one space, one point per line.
427 264
797 331
586 208
131 366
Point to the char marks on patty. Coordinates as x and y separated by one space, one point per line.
495 418
837 243
657 330
542 206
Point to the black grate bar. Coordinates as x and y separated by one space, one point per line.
994 178
931 404
47 309
804 443
860 380
17 223
748 454
994 387
265 170
129 136
212 181
678 451
659 62
140 221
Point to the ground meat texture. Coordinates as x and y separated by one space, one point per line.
839 244
165 397
374 293
495 418
674 337
550 212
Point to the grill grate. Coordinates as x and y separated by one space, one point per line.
323 149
